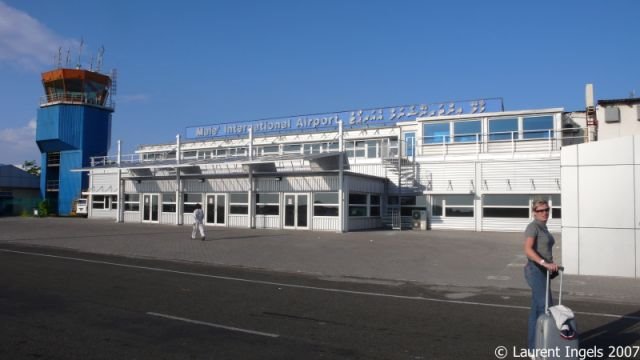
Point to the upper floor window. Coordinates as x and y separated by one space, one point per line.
272 149
539 127
467 131
436 133
503 129
291 148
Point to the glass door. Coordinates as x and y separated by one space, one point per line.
409 143
296 211
150 208
215 210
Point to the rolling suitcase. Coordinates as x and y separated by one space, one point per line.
551 341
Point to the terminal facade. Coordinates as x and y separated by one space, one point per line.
465 165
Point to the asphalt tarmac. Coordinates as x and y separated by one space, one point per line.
464 261
64 304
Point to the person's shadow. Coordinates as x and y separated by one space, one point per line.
624 331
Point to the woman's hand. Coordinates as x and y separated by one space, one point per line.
553 267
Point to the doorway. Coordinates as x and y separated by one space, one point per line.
215 210
150 207
409 144
296 211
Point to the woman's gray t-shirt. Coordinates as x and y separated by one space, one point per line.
543 240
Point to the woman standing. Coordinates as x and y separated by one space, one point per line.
538 247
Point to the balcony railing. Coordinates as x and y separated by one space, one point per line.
76 98
508 141
476 143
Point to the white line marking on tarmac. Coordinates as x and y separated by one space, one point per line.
218 326
294 286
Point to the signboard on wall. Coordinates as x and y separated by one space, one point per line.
352 119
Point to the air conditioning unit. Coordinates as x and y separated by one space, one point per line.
419 219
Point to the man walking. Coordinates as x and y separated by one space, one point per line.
198 222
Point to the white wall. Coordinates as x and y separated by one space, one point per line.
104 214
601 207
628 125
104 181
326 223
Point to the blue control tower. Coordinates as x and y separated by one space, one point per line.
74 124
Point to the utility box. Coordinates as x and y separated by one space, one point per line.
419 218
611 114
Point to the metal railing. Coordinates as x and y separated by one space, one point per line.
77 98
550 139
509 141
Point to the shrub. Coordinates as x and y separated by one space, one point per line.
43 208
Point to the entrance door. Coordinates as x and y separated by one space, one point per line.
409 143
150 208
215 210
296 211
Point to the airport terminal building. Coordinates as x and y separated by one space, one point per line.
467 165
464 165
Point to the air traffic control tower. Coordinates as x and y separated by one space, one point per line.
74 124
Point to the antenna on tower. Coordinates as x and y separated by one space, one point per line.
58 62
66 64
78 64
91 64
114 82
99 59
591 115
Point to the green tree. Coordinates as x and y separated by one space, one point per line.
31 167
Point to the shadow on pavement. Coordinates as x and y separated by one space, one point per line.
621 332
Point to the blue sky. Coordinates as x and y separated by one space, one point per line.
201 62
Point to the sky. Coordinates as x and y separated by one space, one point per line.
193 62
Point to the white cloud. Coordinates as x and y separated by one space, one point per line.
26 42
19 144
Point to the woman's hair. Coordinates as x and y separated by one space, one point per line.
537 203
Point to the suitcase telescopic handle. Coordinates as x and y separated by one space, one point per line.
546 298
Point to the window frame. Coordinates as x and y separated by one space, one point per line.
545 133
234 204
436 139
331 207
503 135
466 137
189 205
439 201
167 206
262 207
114 202
355 209
131 205
104 202
518 208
